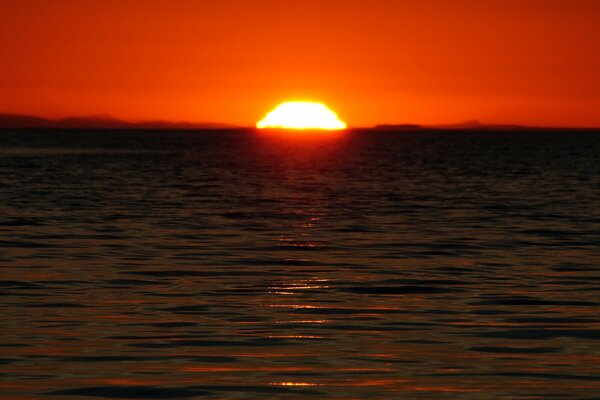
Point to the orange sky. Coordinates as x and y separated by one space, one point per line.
532 62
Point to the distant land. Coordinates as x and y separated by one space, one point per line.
100 122
109 122
473 126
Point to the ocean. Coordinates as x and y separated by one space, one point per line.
252 265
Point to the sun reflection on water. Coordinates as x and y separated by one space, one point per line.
294 384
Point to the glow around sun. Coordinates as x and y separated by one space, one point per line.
302 115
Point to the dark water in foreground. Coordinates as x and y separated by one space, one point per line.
149 265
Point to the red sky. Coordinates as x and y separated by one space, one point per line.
531 62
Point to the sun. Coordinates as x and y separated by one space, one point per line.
302 115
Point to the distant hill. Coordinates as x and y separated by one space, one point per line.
477 126
400 127
22 121
469 126
99 122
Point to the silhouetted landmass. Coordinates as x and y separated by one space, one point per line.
401 127
471 126
461 125
22 121
99 122
476 125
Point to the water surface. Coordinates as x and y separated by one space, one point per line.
425 265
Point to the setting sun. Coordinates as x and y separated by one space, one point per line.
302 115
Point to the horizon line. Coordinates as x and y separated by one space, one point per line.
109 122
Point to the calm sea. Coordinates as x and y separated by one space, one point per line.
240 265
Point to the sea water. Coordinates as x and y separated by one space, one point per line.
245 265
